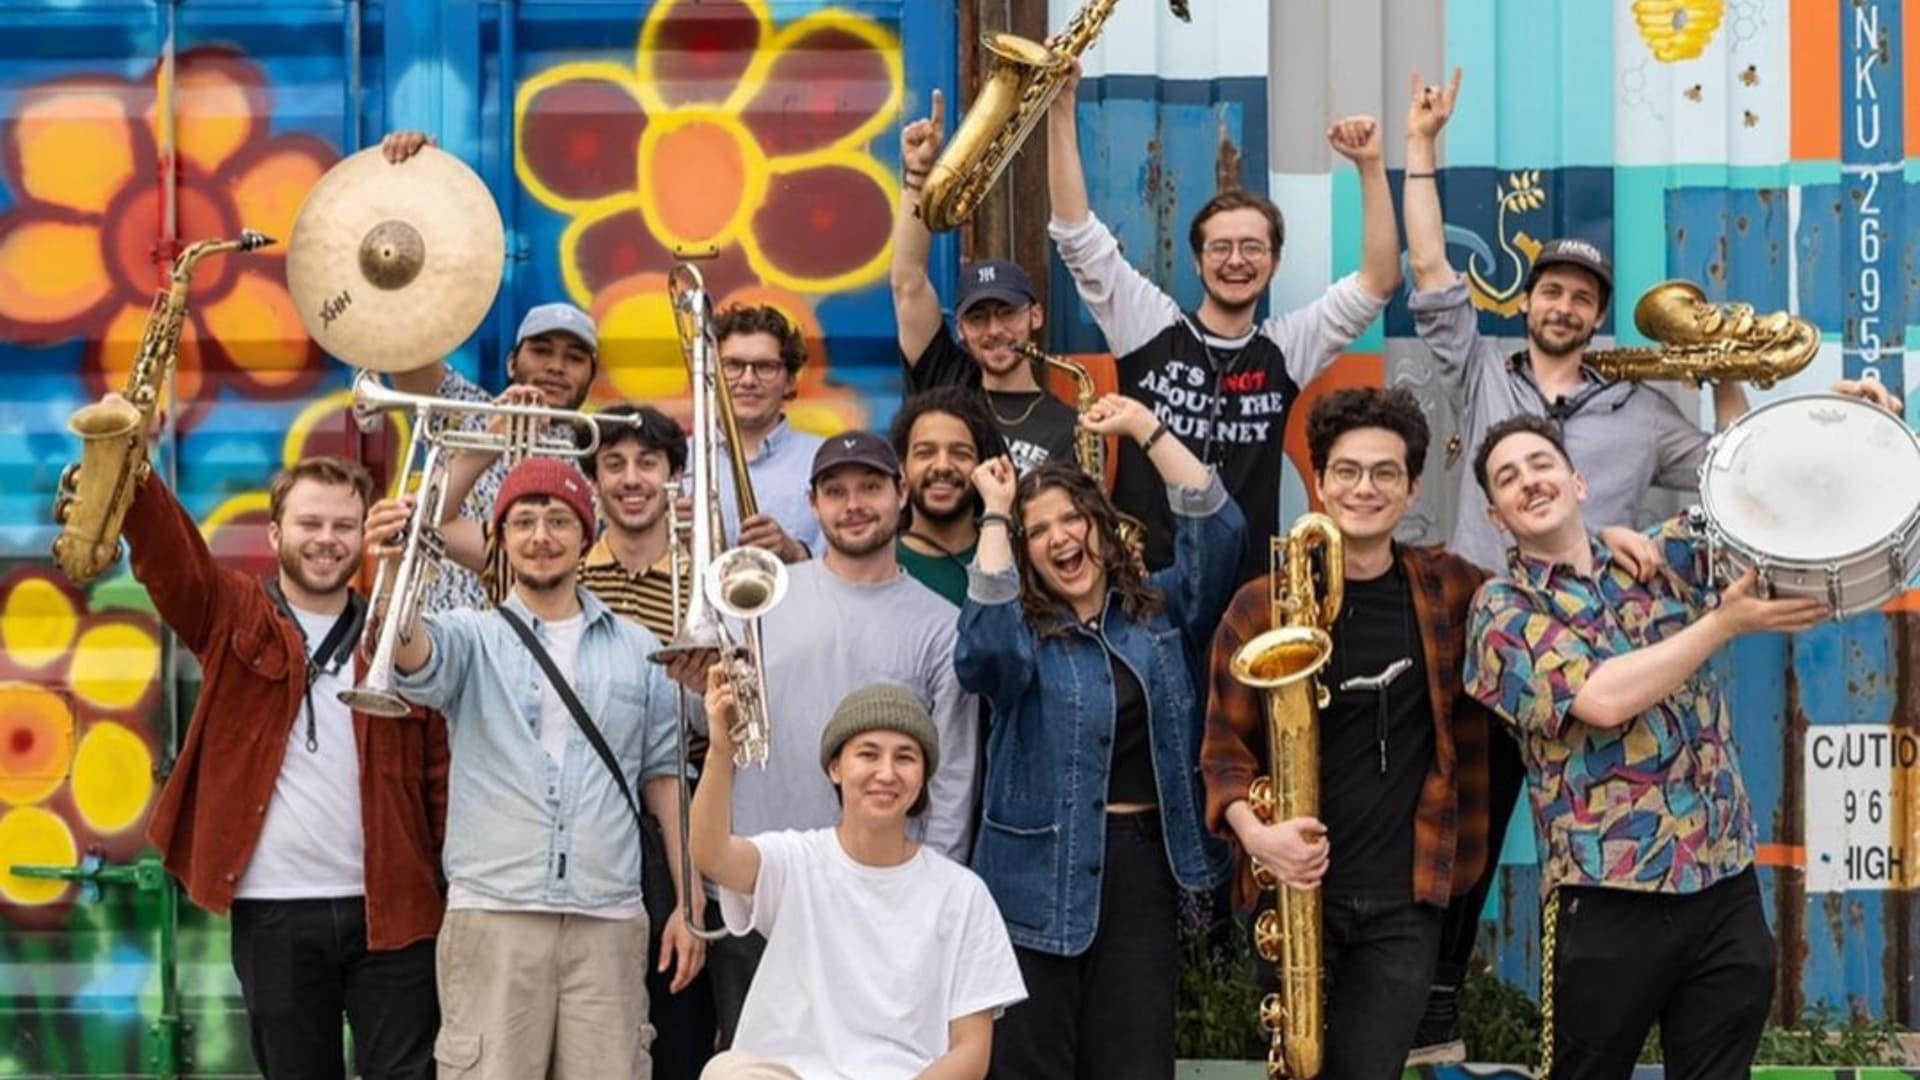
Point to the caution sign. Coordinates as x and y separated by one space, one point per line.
1862 782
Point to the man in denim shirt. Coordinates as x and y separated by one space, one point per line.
544 950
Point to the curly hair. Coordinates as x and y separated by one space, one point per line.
1044 611
958 402
1521 424
1395 410
764 319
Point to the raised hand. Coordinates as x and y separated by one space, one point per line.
1430 107
922 140
1117 414
401 145
995 480
1356 138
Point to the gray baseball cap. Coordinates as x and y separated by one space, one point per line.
562 318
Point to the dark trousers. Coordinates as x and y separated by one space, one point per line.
1109 1011
683 1022
1702 965
1460 930
301 963
731 962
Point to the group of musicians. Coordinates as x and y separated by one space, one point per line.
1004 733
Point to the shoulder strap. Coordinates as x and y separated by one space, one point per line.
579 711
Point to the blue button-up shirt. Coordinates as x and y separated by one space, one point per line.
520 828
782 476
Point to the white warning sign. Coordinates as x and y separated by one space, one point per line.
1861 782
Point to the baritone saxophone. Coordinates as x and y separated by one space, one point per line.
1284 664
96 492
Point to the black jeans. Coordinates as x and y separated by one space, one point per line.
1109 1011
731 962
1702 965
683 1022
303 962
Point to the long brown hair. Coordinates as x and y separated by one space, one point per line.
1043 610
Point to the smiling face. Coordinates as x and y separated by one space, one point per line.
939 466
756 377
560 364
859 509
633 484
1563 310
881 775
318 537
1365 486
544 539
991 328
1237 258
1065 550
1535 494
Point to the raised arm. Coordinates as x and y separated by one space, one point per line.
1066 178
729 860
916 309
1357 138
1117 414
1428 112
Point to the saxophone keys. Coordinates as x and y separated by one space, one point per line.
1261 801
1277 1060
1269 939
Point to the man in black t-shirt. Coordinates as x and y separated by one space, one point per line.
1221 380
994 312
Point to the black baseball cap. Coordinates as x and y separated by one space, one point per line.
1573 251
993 279
855 448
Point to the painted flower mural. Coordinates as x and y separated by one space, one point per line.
86 242
76 759
725 134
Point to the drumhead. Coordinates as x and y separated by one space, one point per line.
1813 478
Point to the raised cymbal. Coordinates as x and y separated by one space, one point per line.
393 266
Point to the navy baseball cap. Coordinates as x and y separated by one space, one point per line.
862 448
993 279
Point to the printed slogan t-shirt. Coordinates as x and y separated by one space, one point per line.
1225 398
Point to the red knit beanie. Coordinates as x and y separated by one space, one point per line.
555 479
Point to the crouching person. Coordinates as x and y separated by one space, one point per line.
885 959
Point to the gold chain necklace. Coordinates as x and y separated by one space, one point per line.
1038 395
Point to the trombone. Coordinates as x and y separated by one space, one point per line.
437 432
741 583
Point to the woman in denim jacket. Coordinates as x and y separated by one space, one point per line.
1093 805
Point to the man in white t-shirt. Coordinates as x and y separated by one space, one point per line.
885 959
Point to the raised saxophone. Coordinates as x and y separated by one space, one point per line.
1014 94
1701 342
96 491
1284 663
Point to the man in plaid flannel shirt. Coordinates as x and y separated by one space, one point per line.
1402 749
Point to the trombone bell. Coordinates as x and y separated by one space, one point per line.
745 582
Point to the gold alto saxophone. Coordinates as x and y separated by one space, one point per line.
1284 664
1014 95
1701 342
1089 447
95 492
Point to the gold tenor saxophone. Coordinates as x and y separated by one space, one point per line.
1014 95
1700 341
1284 663
96 491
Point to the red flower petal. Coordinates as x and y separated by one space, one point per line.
579 138
821 224
824 85
618 246
695 52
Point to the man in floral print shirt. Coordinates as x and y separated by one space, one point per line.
1645 829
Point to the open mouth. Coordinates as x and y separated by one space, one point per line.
1069 563
1537 501
325 563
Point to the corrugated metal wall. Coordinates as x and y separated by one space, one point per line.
1755 146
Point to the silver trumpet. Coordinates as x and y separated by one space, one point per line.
711 585
400 585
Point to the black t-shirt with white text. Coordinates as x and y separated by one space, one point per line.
1037 426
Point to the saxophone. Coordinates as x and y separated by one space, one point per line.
1089 447
1700 341
96 492
1283 662
1014 95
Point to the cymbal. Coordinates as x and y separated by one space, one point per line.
394 266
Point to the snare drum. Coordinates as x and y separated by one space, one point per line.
1820 494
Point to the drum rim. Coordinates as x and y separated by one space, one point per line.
1907 525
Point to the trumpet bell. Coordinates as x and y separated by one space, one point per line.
745 582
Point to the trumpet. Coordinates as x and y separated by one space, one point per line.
400 585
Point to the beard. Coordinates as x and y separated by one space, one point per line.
291 566
1537 336
880 538
924 511
541 584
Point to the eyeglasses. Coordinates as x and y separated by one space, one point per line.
1386 476
1250 250
561 523
763 370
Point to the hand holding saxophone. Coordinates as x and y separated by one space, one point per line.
1295 851
1117 414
